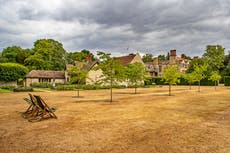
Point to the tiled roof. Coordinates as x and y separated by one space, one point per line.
125 60
46 74
89 65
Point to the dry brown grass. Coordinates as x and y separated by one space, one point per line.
151 121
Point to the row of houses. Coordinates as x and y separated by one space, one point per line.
154 68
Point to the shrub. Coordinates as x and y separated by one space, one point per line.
182 81
227 80
65 87
11 88
41 85
23 89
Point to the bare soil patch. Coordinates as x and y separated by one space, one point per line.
150 121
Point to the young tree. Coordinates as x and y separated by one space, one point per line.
199 73
190 77
135 74
171 75
77 76
215 76
113 71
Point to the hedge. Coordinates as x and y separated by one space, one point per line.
182 81
41 85
12 71
23 89
84 87
227 80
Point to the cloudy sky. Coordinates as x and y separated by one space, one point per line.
118 26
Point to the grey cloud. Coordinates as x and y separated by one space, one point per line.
150 25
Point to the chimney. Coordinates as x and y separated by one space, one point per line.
172 57
173 52
88 58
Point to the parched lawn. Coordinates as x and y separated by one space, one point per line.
147 122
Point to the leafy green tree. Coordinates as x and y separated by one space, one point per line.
215 77
147 58
12 72
36 62
190 77
161 57
194 62
79 56
215 56
135 74
113 71
171 75
226 71
51 54
199 73
14 54
78 76
10 53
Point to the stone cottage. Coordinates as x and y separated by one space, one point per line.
39 76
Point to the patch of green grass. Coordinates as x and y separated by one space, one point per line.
4 91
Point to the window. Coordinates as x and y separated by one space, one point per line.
44 80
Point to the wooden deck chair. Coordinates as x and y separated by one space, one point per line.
32 107
44 111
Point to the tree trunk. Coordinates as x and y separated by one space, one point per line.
190 86
111 83
135 88
199 87
169 89
111 90
78 92
215 84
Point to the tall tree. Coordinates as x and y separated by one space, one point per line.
161 57
14 54
215 56
171 75
215 76
79 56
78 76
135 74
112 69
194 62
147 58
51 53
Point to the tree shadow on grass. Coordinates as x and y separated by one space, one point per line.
77 96
95 101
128 93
